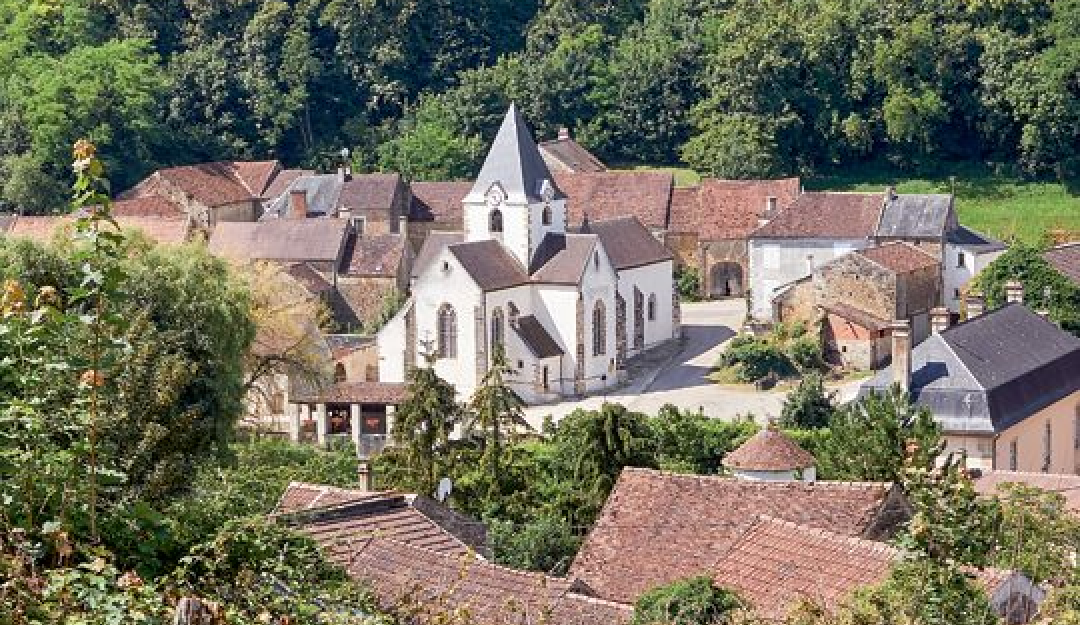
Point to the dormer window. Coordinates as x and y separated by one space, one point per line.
495 221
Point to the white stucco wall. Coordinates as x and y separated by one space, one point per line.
434 287
655 279
391 345
777 262
599 284
556 308
956 278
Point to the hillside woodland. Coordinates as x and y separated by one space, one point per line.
734 88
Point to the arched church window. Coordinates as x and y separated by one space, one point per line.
339 373
652 307
496 220
545 215
497 332
447 322
599 329
596 260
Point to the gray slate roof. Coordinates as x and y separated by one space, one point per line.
915 215
974 240
514 161
1065 258
322 191
993 371
627 242
537 338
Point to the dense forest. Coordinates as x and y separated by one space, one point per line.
735 88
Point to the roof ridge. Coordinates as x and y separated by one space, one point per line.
475 561
714 477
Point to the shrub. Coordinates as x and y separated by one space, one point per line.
806 354
809 405
547 544
755 359
688 283
692 601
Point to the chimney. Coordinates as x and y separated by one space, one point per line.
366 474
770 206
1014 292
564 133
298 208
974 305
939 319
901 353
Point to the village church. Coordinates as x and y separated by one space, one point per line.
568 303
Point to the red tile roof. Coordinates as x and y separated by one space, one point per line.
391 393
304 496
370 192
424 584
440 202
256 175
659 527
284 240
378 255
571 155
728 209
148 206
606 195
899 257
825 215
165 230
769 450
990 482
224 182
1066 259
776 563
856 316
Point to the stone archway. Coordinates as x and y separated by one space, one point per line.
726 279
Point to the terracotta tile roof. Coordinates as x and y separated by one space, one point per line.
310 279
627 242
857 316
899 257
489 264
390 393
562 258
284 240
342 345
256 175
304 496
283 181
164 230
769 450
729 209
571 155
378 255
489 594
1066 259
148 206
225 182
370 192
605 195
776 563
990 482
341 520
440 202
825 215
658 527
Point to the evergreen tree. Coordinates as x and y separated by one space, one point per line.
809 406
423 423
495 411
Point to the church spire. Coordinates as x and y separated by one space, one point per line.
514 162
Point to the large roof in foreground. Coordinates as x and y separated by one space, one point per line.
658 527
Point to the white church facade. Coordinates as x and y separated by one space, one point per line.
567 305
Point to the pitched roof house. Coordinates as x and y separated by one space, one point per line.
212 192
658 527
170 230
1005 387
563 154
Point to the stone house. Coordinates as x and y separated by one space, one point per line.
210 193
565 307
710 225
564 155
857 296
819 227
376 203
1004 386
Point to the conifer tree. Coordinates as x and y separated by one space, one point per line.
423 424
496 411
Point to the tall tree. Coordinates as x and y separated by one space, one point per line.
422 425
496 412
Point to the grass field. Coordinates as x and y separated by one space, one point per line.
1009 208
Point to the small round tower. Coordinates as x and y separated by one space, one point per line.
771 455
